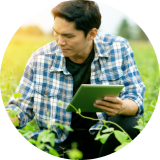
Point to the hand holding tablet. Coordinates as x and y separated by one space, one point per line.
111 105
87 94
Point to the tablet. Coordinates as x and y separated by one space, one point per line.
87 94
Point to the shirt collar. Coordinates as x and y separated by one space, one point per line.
59 62
101 49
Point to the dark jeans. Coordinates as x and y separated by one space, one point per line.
93 149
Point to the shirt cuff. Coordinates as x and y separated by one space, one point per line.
139 102
21 116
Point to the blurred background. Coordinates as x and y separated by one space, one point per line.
132 20
37 31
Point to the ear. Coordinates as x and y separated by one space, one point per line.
92 33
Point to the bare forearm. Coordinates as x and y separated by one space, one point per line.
129 108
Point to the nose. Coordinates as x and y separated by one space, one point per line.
61 40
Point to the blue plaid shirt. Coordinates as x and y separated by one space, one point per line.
46 81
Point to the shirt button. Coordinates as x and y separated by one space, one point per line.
94 70
46 92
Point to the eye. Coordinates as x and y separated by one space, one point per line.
69 36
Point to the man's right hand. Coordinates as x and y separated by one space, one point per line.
10 120
14 120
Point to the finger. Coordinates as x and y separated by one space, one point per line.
116 100
109 107
107 110
106 104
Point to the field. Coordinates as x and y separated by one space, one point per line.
15 58
21 47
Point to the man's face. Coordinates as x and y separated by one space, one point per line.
72 42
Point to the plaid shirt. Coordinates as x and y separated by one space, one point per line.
46 81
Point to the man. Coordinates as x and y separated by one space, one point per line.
80 55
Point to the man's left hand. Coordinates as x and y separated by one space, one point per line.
110 105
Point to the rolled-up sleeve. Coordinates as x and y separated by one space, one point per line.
24 105
134 87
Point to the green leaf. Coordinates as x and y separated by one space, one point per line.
68 128
53 152
123 147
15 95
22 131
51 139
139 127
30 128
43 136
146 118
108 130
58 125
41 146
16 124
61 126
79 110
103 138
33 141
98 135
19 95
75 154
121 137
140 122
13 113
28 133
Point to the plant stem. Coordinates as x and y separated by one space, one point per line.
101 120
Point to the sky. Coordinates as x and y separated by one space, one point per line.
39 13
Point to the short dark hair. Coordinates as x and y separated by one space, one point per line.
84 13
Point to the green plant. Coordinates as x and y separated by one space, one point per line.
45 140
149 109
121 136
74 153
14 113
7 83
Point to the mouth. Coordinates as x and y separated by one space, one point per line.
64 49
